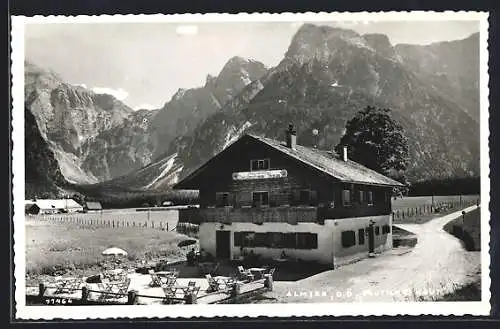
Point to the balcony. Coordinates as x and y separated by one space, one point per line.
257 215
284 214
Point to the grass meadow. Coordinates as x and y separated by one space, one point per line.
53 246
417 201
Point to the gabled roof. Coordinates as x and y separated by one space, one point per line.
324 161
57 204
94 205
345 171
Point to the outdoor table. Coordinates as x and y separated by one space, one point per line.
164 273
258 272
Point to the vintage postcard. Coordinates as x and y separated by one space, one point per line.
281 165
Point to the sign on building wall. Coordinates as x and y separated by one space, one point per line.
261 174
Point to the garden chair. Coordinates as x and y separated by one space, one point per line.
169 293
123 286
105 288
213 285
67 285
169 281
245 275
155 279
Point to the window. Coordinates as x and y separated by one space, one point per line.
361 196
361 236
346 198
386 229
377 230
348 238
370 198
261 164
222 199
243 239
260 198
290 240
276 240
304 197
238 239
307 241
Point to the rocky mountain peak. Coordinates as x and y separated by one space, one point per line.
380 43
321 42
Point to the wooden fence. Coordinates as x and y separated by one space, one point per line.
426 209
92 221
188 229
234 294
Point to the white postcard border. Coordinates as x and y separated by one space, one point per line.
247 310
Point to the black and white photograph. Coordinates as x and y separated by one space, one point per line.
178 166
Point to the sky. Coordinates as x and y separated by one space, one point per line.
144 64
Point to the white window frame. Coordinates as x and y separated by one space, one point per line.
268 201
369 200
258 162
346 202
222 193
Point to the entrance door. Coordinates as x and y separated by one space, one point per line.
371 239
222 244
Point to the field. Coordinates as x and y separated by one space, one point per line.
53 246
419 210
416 201
165 219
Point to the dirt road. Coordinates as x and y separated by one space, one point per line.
438 264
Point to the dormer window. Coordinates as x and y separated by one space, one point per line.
259 164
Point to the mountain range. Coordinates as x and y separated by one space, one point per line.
326 76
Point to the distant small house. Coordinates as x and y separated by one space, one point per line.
53 206
167 203
92 206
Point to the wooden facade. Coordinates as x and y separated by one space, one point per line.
271 197
302 194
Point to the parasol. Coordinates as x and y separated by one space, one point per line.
114 252
185 243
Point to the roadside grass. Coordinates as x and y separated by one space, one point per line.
468 292
53 247
450 291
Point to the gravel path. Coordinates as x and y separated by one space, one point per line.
438 264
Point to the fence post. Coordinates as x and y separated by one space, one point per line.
41 291
268 283
85 295
131 297
153 224
403 214
167 226
190 298
113 223
133 223
236 289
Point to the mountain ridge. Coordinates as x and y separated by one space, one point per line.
326 75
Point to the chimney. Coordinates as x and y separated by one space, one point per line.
345 153
291 137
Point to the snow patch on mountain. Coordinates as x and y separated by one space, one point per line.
233 134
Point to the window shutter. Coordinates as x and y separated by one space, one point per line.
313 197
295 196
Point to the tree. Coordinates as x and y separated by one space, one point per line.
377 141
